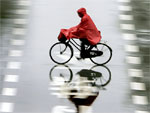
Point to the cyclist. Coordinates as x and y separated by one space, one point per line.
86 31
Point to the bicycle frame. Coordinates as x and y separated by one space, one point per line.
74 43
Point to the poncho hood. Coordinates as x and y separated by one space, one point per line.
82 11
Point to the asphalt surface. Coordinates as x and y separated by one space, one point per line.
31 82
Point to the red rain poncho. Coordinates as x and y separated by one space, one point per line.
85 29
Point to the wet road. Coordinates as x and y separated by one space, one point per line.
32 83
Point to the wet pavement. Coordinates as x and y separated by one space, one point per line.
30 82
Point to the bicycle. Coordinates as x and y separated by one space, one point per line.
62 52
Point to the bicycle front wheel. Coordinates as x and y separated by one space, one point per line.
61 53
61 73
106 54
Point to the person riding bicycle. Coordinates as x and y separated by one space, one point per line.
86 31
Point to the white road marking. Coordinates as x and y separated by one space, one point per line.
62 109
15 53
79 94
86 109
22 11
142 112
24 3
141 100
11 78
19 31
20 21
14 65
137 86
127 26
131 48
127 36
133 60
124 0
6 107
55 88
135 72
17 42
69 88
126 17
9 91
125 8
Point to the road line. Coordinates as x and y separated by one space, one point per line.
6 107
137 86
131 48
142 100
130 37
24 3
20 21
9 91
17 42
124 1
127 26
14 65
11 78
19 31
126 17
135 72
22 11
15 53
77 95
59 109
133 60
142 112
125 8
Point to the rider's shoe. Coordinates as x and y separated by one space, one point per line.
81 57
78 58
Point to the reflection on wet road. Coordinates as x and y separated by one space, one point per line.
81 88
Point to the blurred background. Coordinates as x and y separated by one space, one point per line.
29 80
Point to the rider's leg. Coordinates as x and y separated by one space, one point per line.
90 48
82 53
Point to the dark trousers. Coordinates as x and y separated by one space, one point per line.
84 52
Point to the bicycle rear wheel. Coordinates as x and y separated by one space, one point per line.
105 57
105 77
61 53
